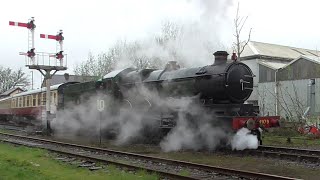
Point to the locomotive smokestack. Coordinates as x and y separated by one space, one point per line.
172 65
220 57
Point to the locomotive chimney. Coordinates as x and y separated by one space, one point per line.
172 65
220 57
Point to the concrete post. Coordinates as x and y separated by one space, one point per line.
48 99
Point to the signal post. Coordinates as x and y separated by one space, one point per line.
44 62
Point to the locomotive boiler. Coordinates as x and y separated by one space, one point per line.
222 82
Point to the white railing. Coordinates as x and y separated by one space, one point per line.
45 59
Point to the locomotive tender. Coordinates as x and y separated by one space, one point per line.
221 89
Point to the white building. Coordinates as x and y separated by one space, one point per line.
296 89
265 59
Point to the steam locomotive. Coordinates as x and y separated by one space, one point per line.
220 90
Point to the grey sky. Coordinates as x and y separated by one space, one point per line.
95 25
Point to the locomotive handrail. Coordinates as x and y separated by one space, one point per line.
175 80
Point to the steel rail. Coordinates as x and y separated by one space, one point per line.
294 150
295 154
221 170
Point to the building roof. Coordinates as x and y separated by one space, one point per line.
8 92
60 78
256 50
309 58
273 64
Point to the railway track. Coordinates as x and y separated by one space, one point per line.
166 168
295 154
285 153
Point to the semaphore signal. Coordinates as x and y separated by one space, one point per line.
41 64
59 38
31 26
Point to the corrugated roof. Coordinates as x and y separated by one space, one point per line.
272 64
309 58
274 50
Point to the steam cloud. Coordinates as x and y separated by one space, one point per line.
196 134
189 42
196 128
244 140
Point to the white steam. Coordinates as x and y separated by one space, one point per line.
197 133
244 140
196 128
85 120
189 42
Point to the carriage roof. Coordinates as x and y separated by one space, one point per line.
54 87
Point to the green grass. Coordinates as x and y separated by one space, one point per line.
184 172
17 162
300 141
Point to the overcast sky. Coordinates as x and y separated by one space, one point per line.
96 24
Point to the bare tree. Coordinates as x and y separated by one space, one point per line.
170 32
169 45
121 54
10 79
95 66
239 23
291 103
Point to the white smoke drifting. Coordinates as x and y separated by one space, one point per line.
85 120
199 133
190 42
195 127
244 140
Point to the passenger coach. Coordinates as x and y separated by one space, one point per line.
30 105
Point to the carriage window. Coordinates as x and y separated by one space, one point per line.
44 98
24 99
28 101
13 102
34 100
20 101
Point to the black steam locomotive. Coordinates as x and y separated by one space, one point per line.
220 89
